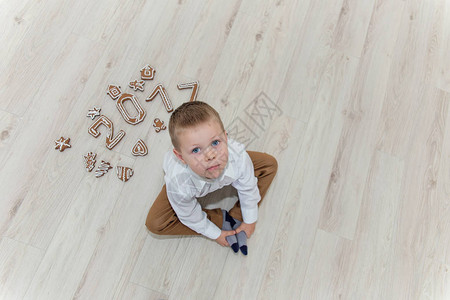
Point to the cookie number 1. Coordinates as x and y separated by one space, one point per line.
111 140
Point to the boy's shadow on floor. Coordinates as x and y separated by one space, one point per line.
224 198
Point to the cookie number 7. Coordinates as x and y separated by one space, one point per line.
111 140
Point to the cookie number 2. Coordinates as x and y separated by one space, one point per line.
111 140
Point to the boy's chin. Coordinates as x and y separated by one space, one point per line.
213 174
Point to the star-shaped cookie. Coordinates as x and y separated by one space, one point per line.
62 144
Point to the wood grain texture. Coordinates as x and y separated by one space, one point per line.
357 142
415 57
35 56
419 200
443 71
137 292
308 185
18 265
314 38
9 124
351 29
351 97
361 268
44 123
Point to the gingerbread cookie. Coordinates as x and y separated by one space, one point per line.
124 173
130 120
102 169
190 85
111 141
159 125
147 73
140 148
137 85
114 91
89 160
159 89
94 112
62 144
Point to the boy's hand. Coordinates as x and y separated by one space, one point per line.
248 228
221 239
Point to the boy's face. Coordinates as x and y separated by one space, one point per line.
204 149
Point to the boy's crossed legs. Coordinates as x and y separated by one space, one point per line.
162 219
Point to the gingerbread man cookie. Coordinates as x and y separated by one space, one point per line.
62 144
114 91
190 85
159 125
102 169
147 73
137 85
124 173
159 89
140 148
89 160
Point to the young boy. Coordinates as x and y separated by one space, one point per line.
203 160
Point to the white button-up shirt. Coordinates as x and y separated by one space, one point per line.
184 187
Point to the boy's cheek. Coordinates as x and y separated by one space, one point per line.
197 163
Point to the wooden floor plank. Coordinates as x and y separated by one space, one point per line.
309 59
351 29
443 70
9 125
415 60
357 142
34 145
283 277
137 292
16 18
206 43
233 72
74 243
34 57
18 264
415 241
362 273
436 284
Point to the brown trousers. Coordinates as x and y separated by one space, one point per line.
162 219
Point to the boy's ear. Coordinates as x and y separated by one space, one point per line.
178 154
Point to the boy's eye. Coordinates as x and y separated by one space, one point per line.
215 143
196 150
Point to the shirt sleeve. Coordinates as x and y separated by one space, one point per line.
247 187
189 211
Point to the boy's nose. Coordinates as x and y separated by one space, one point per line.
210 154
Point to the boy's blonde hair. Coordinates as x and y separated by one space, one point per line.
188 115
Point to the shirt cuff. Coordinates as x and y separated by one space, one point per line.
250 215
212 231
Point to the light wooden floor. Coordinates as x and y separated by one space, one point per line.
358 118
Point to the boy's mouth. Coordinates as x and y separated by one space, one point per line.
213 168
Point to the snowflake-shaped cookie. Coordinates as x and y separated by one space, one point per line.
62 144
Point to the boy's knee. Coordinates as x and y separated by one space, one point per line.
272 164
154 226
